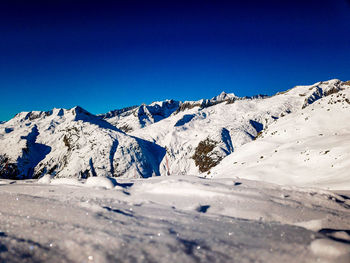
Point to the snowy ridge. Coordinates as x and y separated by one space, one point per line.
261 163
133 118
214 132
223 96
72 143
175 138
136 117
309 147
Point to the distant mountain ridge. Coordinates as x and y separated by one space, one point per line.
72 143
166 137
132 118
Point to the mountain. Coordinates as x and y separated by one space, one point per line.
309 147
72 143
136 117
205 137
198 138
299 139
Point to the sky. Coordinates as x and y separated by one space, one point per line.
104 55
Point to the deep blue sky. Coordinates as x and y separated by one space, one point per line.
104 55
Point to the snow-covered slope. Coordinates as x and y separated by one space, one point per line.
300 137
72 143
170 137
310 147
198 138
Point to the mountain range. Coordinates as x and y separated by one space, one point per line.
299 136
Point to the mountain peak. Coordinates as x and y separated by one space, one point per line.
223 96
77 110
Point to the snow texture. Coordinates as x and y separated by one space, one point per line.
169 137
170 219
253 179
309 147
74 143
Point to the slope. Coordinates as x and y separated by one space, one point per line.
72 143
310 147
198 138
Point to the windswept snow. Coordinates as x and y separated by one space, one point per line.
171 219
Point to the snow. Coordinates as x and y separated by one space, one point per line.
224 96
66 181
162 138
240 121
138 117
75 143
307 148
103 182
46 179
331 250
279 190
169 219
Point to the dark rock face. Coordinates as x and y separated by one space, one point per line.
8 170
204 157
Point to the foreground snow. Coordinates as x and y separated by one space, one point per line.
171 219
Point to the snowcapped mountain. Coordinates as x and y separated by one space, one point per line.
224 96
136 117
72 143
178 138
198 138
309 147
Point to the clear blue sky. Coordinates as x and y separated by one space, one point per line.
104 55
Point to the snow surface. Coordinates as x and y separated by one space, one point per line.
310 147
238 123
171 219
164 138
267 199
